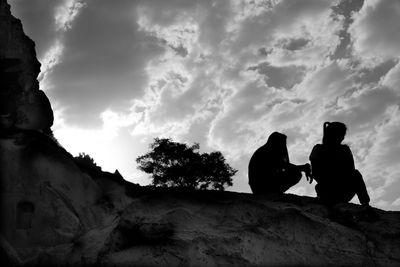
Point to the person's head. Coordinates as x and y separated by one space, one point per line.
277 139
277 144
334 133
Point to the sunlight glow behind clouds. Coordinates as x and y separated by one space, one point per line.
226 74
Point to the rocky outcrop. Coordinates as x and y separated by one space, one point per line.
173 228
55 212
22 104
45 199
214 228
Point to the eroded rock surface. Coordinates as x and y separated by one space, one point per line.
219 229
45 198
22 104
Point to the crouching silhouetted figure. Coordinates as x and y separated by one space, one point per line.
333 168
270 170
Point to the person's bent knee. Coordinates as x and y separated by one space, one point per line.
256 189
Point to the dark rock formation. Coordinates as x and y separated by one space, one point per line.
22 104
219 229
54 212
45 199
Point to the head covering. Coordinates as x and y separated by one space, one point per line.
277 145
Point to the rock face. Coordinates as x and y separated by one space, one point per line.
45 199
22 104
172 228
56 213
219 229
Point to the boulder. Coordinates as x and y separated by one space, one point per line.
45 199
22 104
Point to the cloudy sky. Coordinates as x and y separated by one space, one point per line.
225 74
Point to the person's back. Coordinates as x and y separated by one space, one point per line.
262 167
333 168
331 162
269 168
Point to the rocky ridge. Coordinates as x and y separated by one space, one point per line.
54 212
22 104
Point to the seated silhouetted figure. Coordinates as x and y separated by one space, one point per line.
270 170
333 168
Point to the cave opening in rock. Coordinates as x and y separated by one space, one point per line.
25 210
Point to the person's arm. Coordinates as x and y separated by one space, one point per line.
316 164
349 160
306 168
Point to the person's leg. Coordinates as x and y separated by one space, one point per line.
289 178
360 188
324 194
333 194
259 188
255 189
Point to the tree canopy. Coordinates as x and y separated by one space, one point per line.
173 164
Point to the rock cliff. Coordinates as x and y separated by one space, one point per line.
45 198
22 104
54 212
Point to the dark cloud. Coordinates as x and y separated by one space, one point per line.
240 118
345 8
103 62
280 77
285 17
214 19
327 82
180 50
374 74
363 108
165 13
294 43
209 17
392 79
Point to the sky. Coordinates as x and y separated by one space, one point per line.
224 74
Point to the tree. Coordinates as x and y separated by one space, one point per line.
173 164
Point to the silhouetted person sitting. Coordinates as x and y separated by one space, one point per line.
270 170
333 168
